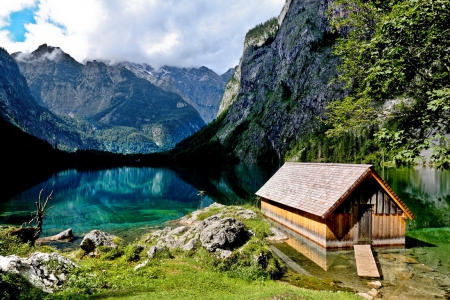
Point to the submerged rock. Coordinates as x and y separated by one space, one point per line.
43 270
374 284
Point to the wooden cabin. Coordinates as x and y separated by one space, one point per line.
335 205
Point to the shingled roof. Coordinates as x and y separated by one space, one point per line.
318 188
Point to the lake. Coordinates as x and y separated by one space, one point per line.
131 201
128 198
128 201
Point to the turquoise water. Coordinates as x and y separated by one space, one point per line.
128 199
115 200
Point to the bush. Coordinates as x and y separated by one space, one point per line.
132 252
10 244
110 253
14 286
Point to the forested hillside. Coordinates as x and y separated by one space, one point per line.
341 81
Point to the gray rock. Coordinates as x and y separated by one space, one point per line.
224 234
216 234
277 235
223 254
190 245
141 265
43 270
246 214
154 250
97 238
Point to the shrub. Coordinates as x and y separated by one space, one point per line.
10 244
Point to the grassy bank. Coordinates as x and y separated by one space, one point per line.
177 274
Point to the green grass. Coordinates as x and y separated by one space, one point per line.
182 277
177 274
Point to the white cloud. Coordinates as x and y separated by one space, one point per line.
9 6
185 33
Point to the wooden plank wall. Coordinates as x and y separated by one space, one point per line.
308 225
340 230
388 229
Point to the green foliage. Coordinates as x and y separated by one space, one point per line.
267 29
350 147
208 213
10 244
110 253
16 287
132 252
254 261
397 50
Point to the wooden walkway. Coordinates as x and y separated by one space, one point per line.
365 262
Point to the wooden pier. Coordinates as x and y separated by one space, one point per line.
365 262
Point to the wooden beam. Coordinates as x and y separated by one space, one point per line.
392 194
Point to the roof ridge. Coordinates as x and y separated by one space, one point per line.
329 164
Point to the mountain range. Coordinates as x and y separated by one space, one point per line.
113 107
200 87
272 99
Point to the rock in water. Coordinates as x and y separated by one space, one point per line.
97 238
65 235
43 270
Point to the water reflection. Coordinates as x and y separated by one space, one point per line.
111 200
425 191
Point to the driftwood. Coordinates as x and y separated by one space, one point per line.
29 233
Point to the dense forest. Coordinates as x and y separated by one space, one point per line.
395 61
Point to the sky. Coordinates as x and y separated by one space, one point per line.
182 33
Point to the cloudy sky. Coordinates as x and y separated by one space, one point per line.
184 33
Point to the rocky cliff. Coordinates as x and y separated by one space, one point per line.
281 85
200 87
18 107
122 112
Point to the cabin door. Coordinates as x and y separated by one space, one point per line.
364 224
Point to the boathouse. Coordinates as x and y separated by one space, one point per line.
335 205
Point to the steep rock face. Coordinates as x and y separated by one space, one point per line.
200 87
280 86
17 106
124 113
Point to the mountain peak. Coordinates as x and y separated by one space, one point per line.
44 48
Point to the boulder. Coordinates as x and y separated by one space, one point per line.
226 234
97 238
215 234
43 270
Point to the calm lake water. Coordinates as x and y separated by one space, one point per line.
127 198
130 201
